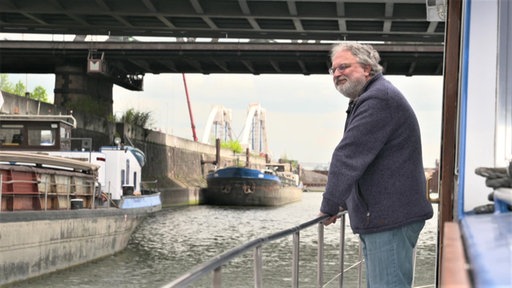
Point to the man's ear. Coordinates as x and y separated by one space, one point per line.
367 69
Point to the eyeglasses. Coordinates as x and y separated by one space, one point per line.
341 68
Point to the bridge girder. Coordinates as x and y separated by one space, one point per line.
131 60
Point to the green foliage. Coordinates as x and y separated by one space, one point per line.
111 118
39 94
88 106
233 145
19 89
137 118
5 85
294 163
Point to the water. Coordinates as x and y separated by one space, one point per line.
174 240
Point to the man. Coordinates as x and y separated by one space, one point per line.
376 171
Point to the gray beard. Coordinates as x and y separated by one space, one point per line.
351 89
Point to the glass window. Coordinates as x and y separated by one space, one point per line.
11 134
122 177
65 138
41 137
504 82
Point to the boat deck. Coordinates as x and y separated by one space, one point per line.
489 239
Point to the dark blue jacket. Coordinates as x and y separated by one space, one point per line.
376 171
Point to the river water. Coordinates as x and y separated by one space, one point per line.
174 240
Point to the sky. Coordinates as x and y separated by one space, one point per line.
305 115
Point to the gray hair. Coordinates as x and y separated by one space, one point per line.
365 54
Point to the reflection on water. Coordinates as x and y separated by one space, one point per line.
174 240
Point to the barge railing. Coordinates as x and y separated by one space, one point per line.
69 192
215 264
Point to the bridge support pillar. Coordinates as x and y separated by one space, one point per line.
78 91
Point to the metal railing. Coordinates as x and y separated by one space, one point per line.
216 263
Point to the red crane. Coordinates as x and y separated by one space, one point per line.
190 109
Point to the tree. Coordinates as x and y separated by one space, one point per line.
39 94
5 85
233 145
141 119
19 89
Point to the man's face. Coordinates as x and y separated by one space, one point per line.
349 76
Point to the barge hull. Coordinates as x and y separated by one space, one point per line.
236 192
61 239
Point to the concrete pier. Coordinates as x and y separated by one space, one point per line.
77 90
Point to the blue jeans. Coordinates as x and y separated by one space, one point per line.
389 256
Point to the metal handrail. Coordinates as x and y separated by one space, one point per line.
215 264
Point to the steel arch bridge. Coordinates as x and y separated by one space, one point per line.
218 125
254 132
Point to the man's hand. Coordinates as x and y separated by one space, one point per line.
330 220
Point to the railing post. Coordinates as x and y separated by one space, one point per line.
68 194
217 279
295 260
320 256
93 196
360 268
1 184
414 263
258 267
109 196
342 249
46 195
